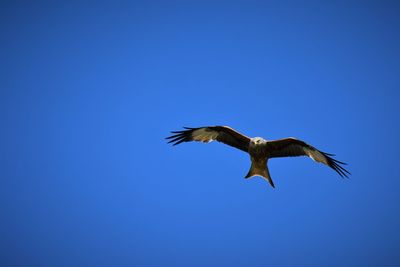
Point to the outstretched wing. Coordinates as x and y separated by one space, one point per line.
223 134
291 147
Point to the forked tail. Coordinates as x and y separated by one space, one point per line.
260 170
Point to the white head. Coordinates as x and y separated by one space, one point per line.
257 141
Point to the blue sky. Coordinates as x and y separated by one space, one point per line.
89 92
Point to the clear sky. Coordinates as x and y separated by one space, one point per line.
88 92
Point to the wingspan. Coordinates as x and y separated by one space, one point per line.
223 134
291 147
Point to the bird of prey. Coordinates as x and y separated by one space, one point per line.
260 150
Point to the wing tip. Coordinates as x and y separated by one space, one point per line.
337 165
178 137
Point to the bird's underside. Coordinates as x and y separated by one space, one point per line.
259 149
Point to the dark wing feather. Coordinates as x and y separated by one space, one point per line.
291 147
223 134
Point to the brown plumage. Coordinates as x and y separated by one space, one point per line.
259 149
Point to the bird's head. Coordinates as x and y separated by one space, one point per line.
257 141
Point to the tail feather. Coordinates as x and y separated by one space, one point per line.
260 171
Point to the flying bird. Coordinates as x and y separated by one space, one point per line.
259 149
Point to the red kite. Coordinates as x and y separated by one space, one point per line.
260 150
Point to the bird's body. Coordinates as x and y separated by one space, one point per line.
259 149
259 156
